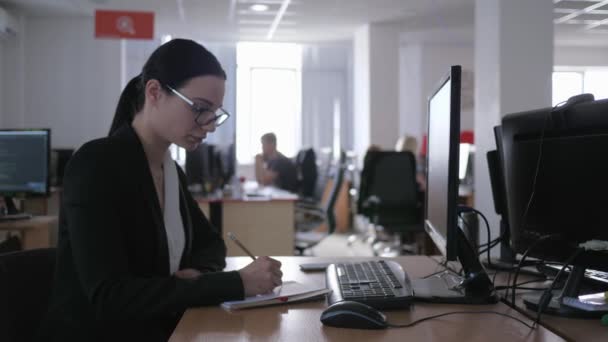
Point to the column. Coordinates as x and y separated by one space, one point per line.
513 66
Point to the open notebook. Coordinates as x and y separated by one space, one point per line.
289 292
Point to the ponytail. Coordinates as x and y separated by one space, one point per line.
129 103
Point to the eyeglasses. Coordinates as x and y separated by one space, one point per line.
219 116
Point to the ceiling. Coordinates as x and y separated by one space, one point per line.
581 22
303 20
577 22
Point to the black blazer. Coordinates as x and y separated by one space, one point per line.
112 278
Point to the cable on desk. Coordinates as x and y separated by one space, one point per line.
411 324
548 294
520 264
446 266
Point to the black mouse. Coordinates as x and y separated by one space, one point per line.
349 314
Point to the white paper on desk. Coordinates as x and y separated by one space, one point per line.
290 291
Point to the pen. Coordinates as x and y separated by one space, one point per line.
238 243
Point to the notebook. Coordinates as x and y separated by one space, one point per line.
289 292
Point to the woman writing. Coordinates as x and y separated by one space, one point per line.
134 249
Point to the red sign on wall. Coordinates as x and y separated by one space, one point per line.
124 24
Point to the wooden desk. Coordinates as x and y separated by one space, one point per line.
300 321
572 329
265 226
35 232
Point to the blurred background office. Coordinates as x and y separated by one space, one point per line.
329 78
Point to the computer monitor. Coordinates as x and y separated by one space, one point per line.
555 174
199 167
443 139
24 163
441 215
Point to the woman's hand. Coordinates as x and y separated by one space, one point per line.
261 276
187 273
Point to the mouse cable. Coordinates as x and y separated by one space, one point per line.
458 313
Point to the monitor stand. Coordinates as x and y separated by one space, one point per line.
475 287
570 294
12 213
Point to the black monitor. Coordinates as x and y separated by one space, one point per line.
443 141
24 163
209 167
555 173
441 215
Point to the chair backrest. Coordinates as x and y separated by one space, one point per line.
11 244
306 165
391 177
26 279
330 204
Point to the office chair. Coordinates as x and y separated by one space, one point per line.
388 193
12 243
306 236
306 166
25 289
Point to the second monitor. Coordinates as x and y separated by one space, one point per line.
441 218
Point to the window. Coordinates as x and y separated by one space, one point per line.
568 83
268 97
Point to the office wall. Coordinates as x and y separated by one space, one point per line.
75 79
361 101
12 79
1 84
326 75
584 56
57 75
422 66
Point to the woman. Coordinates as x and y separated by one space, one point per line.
134 249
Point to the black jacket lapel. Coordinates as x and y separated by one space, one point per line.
146 186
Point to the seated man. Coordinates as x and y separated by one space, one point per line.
273 168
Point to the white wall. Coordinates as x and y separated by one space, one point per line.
384 83
57 75
513 62
584 56
2 48
422 65
361 84
326 71
12 81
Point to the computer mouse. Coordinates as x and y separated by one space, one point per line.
349 314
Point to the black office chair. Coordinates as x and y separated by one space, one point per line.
306 166
26 279
388 194
12 243
306 236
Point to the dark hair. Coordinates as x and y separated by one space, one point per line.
269 138
172 64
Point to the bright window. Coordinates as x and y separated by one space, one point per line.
268 97
570 83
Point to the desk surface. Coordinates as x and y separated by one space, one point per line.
300 321
33 223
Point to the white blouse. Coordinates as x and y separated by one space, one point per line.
174 225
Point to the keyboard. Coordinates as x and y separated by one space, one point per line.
380 284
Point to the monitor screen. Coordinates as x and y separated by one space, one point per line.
24 161
555 178
442 163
